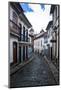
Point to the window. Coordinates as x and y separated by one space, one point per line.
23 33
14 17
53 18
45 39
20 30
41 42
14 20
38 43
56 12
26 35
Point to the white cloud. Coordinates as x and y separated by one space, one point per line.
35 7
39 18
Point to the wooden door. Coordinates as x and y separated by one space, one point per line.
14 52
20 53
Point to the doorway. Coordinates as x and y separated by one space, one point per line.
14 52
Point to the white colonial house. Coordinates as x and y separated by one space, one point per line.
45 40
49 29
18 32
31 40
49 32
39 42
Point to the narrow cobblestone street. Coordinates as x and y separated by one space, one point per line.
37 72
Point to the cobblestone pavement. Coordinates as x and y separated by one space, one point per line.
36 73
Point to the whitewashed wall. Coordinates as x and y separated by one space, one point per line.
12 39
37 44
50 31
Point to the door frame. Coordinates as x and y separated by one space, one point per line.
14 52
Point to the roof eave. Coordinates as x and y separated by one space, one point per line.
52 9
23 17
17 7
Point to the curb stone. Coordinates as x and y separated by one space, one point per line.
19 66
53 69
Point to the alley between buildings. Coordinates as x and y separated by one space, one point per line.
35 73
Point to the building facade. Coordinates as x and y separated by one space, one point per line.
46 52
39 42
49 35
18 32
31 36
55 12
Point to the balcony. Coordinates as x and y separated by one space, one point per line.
21 37
14 28
24 38
45 40
53 41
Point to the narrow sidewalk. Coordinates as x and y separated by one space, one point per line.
53 69
15 68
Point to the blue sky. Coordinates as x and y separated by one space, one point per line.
38 15
27 8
